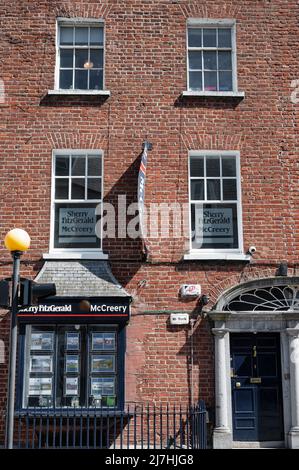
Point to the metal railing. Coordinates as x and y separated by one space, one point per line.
136 427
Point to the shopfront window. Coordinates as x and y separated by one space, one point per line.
70 366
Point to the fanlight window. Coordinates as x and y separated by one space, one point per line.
278 298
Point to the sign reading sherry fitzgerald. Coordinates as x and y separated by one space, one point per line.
77 225
117 308
214 225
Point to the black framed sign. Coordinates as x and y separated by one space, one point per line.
78 309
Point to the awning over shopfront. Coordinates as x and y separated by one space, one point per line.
85 290
81 278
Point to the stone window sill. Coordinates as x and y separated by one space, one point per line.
214 94
80 92
74 255
193 256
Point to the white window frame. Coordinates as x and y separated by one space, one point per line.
77 22
217 253
214 23
69 253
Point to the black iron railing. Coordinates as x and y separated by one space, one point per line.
136 427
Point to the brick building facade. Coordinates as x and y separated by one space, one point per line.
239 107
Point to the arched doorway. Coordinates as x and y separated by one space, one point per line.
256 331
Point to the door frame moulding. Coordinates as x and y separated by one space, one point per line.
284 322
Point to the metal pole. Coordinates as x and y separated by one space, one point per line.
16 255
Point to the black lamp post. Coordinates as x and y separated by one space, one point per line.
16 241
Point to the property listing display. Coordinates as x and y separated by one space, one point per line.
72 348
69 366
41 360
103 368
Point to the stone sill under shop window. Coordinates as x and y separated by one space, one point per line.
194 256
215 94
74 255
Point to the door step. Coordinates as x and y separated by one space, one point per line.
258 445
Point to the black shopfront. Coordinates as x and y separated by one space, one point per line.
72 353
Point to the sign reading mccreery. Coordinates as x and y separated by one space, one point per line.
214 225
77 225
87 309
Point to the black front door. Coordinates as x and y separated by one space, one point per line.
256 387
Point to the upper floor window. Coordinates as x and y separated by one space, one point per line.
215 202
211 56
77 200
80 56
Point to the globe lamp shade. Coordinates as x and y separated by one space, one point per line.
17 240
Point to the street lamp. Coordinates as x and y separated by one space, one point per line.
16 241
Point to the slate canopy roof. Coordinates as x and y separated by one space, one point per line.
87 278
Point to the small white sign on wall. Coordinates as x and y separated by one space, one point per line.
179 318
190 290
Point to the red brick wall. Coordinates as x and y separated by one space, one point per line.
146 73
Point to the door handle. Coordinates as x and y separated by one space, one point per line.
238 384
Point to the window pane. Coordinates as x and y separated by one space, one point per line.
195 81
213 166
102 363
62 188
94 166
81 79
66 79
197 190
66 58
96 80
214 226
224 60
81 57
96 57
213 190
228 166
75 224
96 36
41 340
62 166
78 188
210 60
81 36
78 166
103 341
94 188
194 37
196 166
209 38
66 36
225 81
229 190
224 37
210 81
195 60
